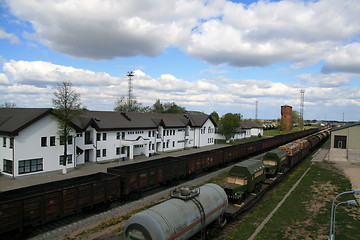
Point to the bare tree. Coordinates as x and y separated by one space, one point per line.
67 109
8 105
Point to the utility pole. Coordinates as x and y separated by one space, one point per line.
302 93
130 75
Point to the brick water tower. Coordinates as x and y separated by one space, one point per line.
286 115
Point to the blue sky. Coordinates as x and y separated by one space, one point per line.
205 55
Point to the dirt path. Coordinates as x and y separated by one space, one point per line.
352 171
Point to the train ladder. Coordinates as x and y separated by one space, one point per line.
202 216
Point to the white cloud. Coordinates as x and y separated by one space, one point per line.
3 79
217 31
99 29
12 38
327 80
270 32
343 59
220 94
45 73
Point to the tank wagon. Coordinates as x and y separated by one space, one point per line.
244 178
45 203
188 212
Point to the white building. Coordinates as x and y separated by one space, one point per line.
245 130
31 144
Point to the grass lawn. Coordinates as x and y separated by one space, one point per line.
306 213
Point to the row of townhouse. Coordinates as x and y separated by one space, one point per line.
31 143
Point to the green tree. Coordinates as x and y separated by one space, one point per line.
168 107
157 107
122 105
215 116
67 108
228 123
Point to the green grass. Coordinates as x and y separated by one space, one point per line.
306 213
275 132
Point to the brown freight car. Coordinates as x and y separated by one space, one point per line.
137 177
42 203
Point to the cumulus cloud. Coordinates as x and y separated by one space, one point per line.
343 59
3 79
270 32
32 84
98 29
11 37
45 73
217 31
327 80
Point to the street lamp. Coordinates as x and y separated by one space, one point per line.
333 209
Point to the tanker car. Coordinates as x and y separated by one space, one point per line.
188 212
130 180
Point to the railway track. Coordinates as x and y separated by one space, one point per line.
71 224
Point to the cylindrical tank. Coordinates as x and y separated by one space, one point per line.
178 218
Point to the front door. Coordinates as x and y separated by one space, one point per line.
87 155
340 142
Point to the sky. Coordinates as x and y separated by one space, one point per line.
204 55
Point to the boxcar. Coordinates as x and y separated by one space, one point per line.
38 204
140 176
234 153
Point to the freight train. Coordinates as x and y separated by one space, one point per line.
204 211
43 203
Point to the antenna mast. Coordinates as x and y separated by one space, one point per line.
130 75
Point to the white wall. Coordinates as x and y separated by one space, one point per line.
27 145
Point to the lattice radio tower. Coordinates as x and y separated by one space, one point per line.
130 75
302 93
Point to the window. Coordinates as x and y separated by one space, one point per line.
122 135
117 151
32 165
52 141
62 142
4 141
69 159
118 135
11 142
43 141
104 136
98 153
149 135
104 152
173 143
98 137
8 166
61 160
70 140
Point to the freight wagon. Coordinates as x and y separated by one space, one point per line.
137 177
39 204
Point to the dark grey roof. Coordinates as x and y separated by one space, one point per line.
13 120
346 126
